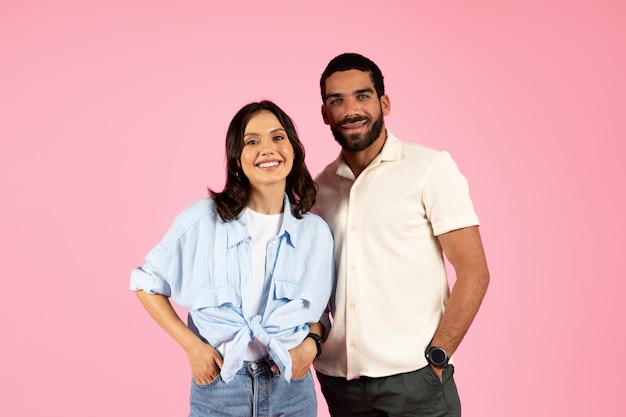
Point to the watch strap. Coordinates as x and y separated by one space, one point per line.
318 342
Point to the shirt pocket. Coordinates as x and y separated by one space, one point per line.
290 291
216 297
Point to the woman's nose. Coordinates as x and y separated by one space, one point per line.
268 147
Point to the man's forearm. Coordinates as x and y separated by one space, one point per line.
461 308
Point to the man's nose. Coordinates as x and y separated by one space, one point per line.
351 106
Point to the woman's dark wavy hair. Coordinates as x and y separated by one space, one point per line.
301 189
349 61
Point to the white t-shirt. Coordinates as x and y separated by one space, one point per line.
262 228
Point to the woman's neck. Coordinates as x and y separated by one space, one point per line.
267 201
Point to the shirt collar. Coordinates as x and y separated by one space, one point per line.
237 232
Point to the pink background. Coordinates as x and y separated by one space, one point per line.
112 119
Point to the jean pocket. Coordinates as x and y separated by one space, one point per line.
208 384
304 378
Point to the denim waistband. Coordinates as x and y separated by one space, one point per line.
259 366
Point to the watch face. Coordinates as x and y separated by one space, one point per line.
438 356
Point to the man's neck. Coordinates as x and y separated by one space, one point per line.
358 161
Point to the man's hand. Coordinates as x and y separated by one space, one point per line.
439 371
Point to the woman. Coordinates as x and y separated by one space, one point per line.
254 269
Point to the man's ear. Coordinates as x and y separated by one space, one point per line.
324 117
385 104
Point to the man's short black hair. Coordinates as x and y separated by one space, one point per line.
349 61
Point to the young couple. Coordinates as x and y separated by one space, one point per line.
256 269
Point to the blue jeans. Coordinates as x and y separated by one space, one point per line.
258 390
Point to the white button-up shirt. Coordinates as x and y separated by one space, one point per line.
391 278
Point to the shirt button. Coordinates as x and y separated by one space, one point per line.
352 267
254 366
352 344
352 305
353 227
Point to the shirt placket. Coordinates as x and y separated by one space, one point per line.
352 270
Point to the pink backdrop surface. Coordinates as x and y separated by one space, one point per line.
112 119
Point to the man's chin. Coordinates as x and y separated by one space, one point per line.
353 145
359 141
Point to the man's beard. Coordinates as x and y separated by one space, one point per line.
356 143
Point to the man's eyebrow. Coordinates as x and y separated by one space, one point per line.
356 93
333 95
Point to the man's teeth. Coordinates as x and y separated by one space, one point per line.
354 125
268 164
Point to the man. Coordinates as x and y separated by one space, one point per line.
395 208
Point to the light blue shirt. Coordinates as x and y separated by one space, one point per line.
205 265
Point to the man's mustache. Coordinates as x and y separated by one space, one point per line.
353 120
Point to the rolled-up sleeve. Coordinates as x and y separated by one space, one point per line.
150 277
180 266
161 272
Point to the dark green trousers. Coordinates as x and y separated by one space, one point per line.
413 394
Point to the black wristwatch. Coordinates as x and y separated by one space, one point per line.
318 342
436 356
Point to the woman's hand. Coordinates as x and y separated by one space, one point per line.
205 362
302 357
